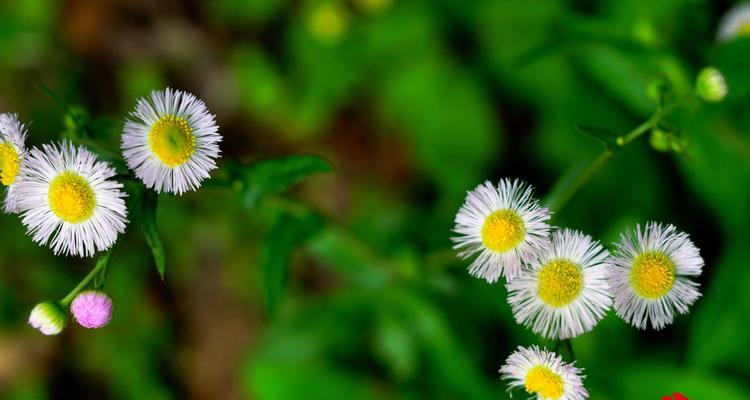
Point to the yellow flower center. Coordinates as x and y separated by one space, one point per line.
652 275
503 230
544 382
9 164
560 282
71 198
172 140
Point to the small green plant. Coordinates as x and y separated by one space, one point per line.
71 198
562 282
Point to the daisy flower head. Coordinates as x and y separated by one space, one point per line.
650 275
171 141
504 226
68 201
565 293
544 375
12 153
735 23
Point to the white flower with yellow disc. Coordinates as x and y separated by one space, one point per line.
67 200
12 153
544 375
735 23
171 141
504 225
565 293
650 275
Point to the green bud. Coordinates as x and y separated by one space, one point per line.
711 85
660 140
49 318
657 89
666 139
679 145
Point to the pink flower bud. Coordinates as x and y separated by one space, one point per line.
91 309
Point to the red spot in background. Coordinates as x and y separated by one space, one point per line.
677 396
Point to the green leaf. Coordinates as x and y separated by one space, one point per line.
267 177
288 232
343 253
723 313
280 381
447 118
603 135
395 345
151 230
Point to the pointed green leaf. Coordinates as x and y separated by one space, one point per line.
608 138
288 233
151 230
275 175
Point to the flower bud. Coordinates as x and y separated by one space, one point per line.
49 318
92 309
711 85
657 89
660 140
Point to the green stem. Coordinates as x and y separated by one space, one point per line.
571 182
100 264
580 178
66 109
650 123
569 347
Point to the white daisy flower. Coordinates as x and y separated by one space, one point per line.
12 153
543 374
67 200
504 225
735 23
171 141
565 293
650 274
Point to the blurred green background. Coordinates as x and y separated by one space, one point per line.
345 286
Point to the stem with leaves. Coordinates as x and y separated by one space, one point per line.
573 180
101 267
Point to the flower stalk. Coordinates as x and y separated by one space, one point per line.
572 181
101 264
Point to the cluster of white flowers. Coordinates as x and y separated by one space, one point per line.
561 282
70 200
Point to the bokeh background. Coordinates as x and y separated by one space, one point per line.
346 286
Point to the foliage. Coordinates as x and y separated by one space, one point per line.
287 277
